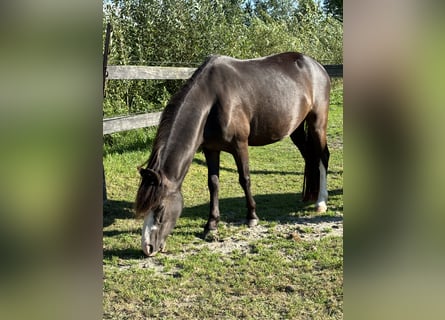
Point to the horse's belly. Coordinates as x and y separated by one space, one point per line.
262 141
267 132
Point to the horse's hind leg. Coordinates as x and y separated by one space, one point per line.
318 154
313 147
321 204
212 159
299 139
305 143
241 156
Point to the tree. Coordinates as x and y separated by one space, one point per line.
184 32
334 7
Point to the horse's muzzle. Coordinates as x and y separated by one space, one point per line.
149 250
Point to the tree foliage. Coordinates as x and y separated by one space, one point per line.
334 7
184 32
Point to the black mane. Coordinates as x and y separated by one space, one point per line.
150 195
168 117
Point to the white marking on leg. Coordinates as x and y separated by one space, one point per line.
146 230
323 193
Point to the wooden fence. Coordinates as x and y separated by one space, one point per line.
123 123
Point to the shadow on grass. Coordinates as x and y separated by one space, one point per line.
125 254
270 207
115 209
279 208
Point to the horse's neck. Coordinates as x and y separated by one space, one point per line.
185 137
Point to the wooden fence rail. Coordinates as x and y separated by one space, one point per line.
178 73
123 123
148 73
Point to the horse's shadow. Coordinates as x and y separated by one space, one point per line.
115 209
279 208
124 254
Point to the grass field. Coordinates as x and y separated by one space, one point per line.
288 267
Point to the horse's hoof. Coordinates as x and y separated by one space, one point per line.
211 235
321 208
252 223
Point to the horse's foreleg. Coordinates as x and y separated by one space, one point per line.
212 159
241 156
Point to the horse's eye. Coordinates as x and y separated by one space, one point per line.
159 216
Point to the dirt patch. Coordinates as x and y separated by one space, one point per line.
303 229
241 238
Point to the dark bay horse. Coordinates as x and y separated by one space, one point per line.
228 105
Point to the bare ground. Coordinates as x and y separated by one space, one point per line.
301 229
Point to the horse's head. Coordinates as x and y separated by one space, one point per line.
160 208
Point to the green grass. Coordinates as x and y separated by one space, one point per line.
269 275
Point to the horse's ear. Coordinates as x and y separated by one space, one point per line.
151 175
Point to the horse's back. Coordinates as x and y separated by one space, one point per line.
272 78
264 99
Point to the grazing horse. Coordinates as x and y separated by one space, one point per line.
228 105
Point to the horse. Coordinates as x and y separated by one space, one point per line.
227 105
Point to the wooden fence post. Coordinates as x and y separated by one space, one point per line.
105 63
